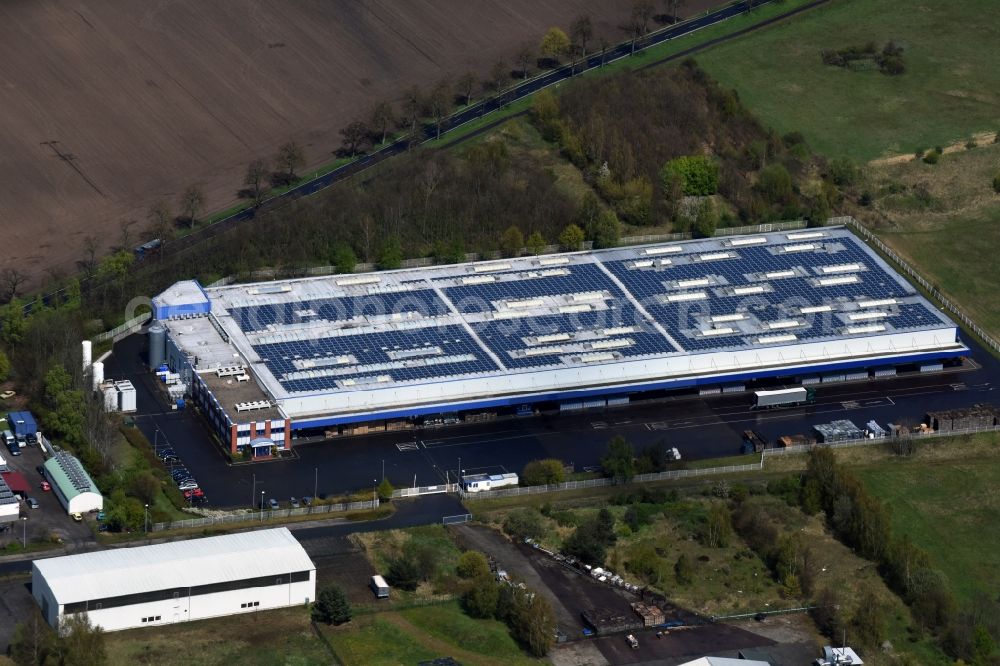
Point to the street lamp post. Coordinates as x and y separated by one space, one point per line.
253 490
383 469
262 506
145 519
315 481
24 532
374 491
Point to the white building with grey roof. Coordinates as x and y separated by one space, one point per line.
177 581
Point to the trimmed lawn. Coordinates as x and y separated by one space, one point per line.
374 640
951 87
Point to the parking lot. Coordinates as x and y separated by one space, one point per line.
49 521
705 427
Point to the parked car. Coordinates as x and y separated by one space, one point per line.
14 449
170 459
294 502
44 485
7 395
307 501
180 473
31 502
191 494
273 503
77 517
632 641
41 470
189 484
100 516
166 453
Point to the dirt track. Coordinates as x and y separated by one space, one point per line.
144 98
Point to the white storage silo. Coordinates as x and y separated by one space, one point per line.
85 352
97 375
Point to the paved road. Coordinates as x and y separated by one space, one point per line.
700 427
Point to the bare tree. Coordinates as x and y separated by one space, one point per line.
673 9
159 217
354 135
603 44
291 157
466 84
254 180
125 234
413 107
89 262
192 200
642 12
524 56
440 103
11 280
382 119
500 79
582 31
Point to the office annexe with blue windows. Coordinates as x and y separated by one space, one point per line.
579 329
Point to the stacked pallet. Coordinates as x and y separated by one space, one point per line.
971 418
398 425
651 615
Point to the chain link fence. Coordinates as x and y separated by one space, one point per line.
909 437
249 515
129 327
602 482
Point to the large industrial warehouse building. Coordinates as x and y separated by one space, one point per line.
579 329
178 581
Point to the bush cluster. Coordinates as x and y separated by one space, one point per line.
888 59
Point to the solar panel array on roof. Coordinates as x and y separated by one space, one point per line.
528 314
74 471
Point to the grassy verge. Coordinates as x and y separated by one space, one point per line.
271 637
951 87
433 544
428 632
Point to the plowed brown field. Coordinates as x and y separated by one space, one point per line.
145 98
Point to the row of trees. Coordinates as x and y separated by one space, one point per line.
528 614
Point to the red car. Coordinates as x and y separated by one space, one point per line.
197 492
45 486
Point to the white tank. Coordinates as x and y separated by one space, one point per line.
97 375
86 353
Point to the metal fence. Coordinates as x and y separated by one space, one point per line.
129 327
456 520
599 483
250 516
416 491
870 238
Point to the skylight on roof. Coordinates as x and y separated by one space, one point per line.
810 309
717 331
790 323
713 256
859 316
359 279
490 268
754 240
746 291
871 328
553 261
830 282
687 296
877 303
805 235
668 249
730 317
804 247
769 339
779 274
840 268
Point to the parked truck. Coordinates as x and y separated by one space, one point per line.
784 398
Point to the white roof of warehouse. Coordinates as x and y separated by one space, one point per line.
117 572
724 661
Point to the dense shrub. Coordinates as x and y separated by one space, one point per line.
543 472
698 174
523 523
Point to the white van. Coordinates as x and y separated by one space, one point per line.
8 438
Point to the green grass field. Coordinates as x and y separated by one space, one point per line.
950 510
951 87
425 632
